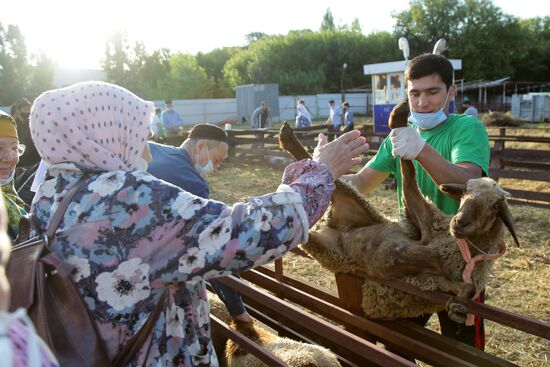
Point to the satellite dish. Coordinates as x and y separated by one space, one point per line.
440 46
404 46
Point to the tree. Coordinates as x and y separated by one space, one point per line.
356 26
117 62
254 36
14 68
41 78
304 62
187 79
213 63
327 24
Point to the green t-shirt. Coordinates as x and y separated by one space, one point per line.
460 139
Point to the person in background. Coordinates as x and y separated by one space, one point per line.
348 117
445 148
261 117
10 151
156 126
131 238
20 112
469 109
303 119
334 120
170 119
187 167
20 346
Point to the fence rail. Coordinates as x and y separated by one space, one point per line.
506 163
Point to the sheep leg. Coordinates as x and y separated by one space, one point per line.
456 307
346 201
417 209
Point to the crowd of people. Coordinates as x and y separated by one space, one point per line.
141 224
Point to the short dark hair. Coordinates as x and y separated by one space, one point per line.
208 132
428 64
168 101
331 101
345 104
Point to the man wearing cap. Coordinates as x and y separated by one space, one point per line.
186 166
170 119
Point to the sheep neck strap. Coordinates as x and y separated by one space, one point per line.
471 262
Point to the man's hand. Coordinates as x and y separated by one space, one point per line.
406 142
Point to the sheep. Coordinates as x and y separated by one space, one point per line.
292 352
422 249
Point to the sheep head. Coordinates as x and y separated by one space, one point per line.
483 202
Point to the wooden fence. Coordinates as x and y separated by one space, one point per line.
519 163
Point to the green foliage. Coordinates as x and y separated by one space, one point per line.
306 62
187 79
327 24
19 77
213 63
491 44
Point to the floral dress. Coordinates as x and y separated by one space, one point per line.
129 236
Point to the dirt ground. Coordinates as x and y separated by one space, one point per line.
521 283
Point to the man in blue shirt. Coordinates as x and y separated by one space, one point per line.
186 166
348 117
170 119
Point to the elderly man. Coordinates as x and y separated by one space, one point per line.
187 166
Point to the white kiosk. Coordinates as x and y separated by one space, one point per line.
388 88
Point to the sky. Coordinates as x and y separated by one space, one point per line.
73 32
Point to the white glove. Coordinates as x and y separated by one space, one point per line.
406 142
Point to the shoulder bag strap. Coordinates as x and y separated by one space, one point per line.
128 352
62 208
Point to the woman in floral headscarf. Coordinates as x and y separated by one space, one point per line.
10 151
129 236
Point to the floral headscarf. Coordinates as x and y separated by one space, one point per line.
94 124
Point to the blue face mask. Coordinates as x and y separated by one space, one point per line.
427 121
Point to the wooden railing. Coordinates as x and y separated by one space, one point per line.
514 163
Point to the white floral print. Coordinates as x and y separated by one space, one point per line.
125 286
106 184
216 235
81 268
175 318
262 221
191 260
187 205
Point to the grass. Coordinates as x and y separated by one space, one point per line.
522 277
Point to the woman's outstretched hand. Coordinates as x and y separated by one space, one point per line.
341 154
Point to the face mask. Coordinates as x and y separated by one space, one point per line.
205 169
427 121
142 164
7 180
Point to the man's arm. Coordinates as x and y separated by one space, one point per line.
442 171
366 180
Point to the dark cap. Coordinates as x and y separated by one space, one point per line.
209 132
331 101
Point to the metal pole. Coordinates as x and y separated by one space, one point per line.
344 66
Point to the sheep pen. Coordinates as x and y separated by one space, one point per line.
521 284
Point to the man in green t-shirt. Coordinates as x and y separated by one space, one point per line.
445 149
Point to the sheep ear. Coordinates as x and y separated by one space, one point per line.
508 220
453 190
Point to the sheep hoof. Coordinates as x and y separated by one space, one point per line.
456 310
